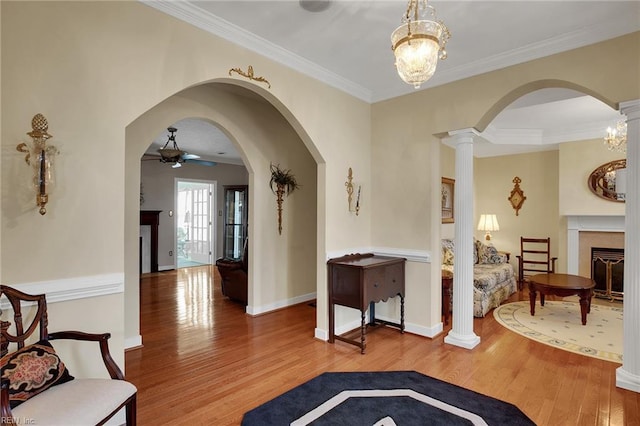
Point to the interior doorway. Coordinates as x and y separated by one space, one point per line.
195 227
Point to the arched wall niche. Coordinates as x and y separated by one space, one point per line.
254 120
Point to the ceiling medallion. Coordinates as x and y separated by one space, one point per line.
418 43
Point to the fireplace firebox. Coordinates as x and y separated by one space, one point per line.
607 270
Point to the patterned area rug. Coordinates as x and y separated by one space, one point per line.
386 398
558 324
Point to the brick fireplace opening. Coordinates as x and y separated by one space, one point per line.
607 270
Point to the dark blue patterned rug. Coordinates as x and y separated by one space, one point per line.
402 398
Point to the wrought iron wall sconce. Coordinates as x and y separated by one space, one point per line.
39 157
350 188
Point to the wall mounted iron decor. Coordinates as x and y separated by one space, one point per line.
608 181
517 196
40 158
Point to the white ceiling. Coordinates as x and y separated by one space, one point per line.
347 46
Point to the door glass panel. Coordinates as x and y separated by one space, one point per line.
194 226
235 216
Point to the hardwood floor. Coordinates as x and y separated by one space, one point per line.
205 362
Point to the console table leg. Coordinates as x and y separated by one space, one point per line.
401 314
363 334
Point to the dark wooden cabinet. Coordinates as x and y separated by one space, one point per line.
236 203
151 218
358 281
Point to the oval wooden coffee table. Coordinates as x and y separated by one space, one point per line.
562 285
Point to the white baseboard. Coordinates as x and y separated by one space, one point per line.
133 342
166 268
627 380
258 310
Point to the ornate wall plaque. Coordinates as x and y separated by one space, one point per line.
517 196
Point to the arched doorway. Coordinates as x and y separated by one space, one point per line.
283 266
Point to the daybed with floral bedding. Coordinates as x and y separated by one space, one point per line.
494 279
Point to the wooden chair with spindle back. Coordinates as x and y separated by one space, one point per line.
535 258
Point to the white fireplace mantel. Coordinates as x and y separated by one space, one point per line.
576 224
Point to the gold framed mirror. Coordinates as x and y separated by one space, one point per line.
608 181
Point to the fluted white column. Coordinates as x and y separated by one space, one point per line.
628 375
461 333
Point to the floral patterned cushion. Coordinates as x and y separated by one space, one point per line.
447 252
31 370
488 254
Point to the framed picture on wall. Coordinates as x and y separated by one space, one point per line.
448 186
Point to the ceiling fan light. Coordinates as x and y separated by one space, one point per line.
176 165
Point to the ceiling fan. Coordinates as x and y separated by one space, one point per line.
173 154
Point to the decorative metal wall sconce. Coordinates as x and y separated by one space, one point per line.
349 185
39 157
517 196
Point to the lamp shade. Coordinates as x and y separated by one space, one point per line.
488 223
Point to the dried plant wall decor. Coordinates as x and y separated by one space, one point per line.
517 196
282 183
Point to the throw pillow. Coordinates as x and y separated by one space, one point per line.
488 254
31 370
447 251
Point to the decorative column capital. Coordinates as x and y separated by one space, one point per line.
631 109
457 137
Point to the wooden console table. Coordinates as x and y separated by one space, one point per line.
359 281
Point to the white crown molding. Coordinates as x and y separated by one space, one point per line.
204 20
73 288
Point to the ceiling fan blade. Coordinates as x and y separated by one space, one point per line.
202 162
187 156
176 165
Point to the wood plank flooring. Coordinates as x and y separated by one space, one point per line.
205 362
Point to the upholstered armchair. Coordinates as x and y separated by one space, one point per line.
234 276
37 387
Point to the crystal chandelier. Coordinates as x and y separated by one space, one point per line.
616 139
418 43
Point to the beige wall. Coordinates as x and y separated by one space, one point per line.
577 161
538 217
104 64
